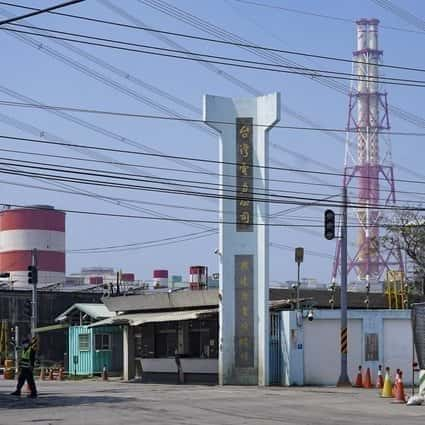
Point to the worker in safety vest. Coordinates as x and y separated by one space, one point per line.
26 366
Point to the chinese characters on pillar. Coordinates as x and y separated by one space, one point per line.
244 311
244 180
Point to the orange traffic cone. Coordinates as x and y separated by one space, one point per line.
396 379
367 379
387 388
61 374
379 379
359 379
399 395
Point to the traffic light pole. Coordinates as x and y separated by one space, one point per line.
34 296
344 380
16 349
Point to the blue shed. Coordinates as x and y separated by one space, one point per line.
90 349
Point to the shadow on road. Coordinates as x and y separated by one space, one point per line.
46 400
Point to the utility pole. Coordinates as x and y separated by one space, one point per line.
16 352
34 295
299 258
343 379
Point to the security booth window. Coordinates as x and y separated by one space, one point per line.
203 339
84 342
144 340
102 342
166 339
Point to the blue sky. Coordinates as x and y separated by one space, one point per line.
35 74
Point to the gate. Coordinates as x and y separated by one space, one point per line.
275 364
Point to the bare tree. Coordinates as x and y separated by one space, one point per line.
406 231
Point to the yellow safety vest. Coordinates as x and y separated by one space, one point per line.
26 357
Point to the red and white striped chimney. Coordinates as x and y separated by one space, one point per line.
22 230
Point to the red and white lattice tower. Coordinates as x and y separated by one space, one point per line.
368 166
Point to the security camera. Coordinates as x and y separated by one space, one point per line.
294 286
217 251
310 316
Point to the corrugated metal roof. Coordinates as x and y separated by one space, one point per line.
140 318
95 311
157 300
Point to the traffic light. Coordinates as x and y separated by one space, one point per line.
32 275
13 336
28 308
329 224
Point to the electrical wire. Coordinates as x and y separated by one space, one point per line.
238 63
191 120
139 82
140 245
144 178
117 215
319 15
402 13
269 198
177 170
164 180
212 40
188 158
205 26
40 11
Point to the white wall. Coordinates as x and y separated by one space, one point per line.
312 349
398 342
322 350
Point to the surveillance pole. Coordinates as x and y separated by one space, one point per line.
344 380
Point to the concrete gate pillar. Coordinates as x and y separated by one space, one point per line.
243 125
129 367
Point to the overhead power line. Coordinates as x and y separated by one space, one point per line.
40 11
188 158
403 14
225 188
214 40
179 189
145 244
319 15
234 62
178 170
139 82
142 178
117 215
205 26
192 120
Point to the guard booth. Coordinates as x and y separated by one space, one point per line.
91 349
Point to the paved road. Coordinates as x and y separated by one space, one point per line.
116 403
